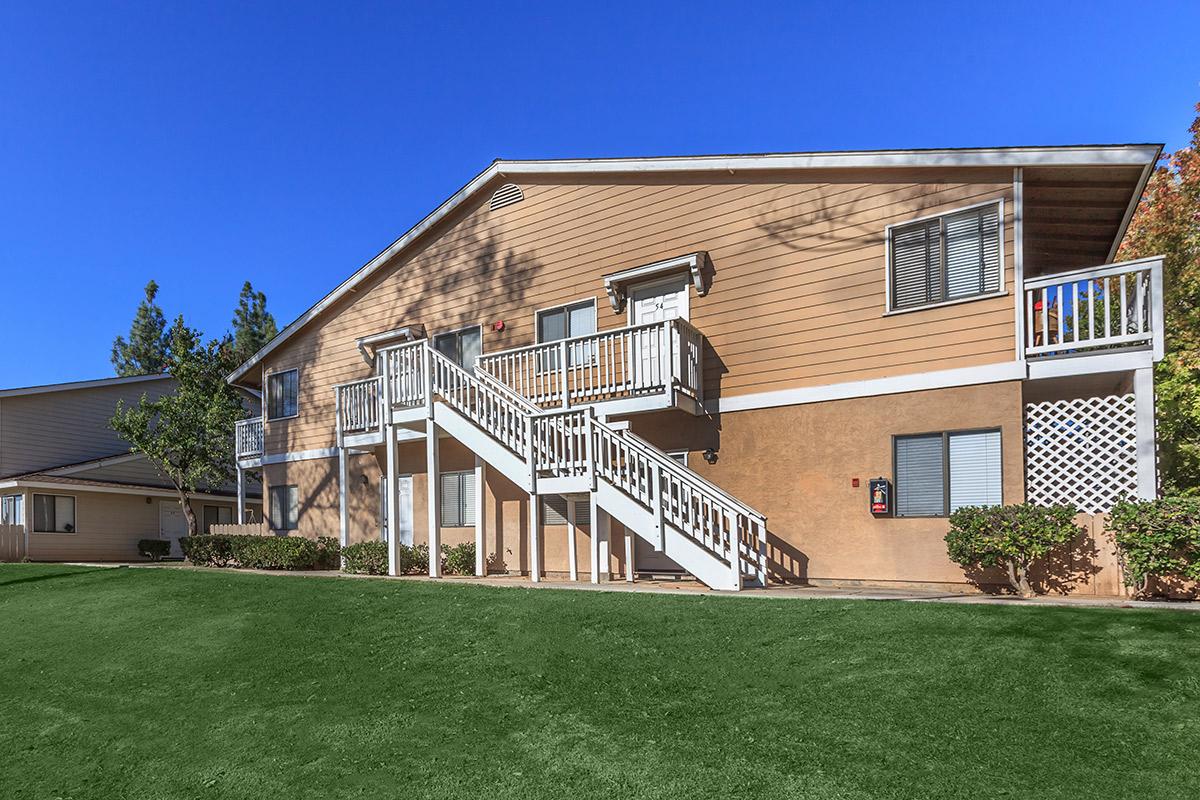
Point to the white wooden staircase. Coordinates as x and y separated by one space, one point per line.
712 535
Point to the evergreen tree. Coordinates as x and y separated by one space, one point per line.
1167 223
187 435
145 352
253 325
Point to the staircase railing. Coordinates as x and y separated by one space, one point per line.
493 411
633 361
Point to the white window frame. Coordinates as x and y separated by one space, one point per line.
267 395
13 500
479 326
551 364
283 511
946 476
887 260
33 514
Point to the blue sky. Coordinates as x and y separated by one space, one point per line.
289 142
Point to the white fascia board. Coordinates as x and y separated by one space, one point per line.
1084 155
1091 364
301 455
918 382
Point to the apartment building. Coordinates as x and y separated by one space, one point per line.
71 490
786 367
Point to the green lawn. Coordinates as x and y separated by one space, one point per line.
159 683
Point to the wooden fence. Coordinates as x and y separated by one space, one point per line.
245 529
12 542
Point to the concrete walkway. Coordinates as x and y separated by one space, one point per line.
688 587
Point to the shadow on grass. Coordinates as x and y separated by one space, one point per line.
75 573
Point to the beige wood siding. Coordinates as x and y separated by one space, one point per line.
797 295
39 431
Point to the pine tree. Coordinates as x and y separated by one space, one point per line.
145 353
1167 223
253 325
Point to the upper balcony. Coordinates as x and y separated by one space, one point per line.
1116 308
248 438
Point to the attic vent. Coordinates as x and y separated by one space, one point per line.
506 195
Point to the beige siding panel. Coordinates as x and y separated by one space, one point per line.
39 431
799 262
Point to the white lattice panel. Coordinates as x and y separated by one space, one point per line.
1081 451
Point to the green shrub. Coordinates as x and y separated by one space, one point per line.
366 558
414 559
329 553
1013 537
154 549
460 559
207 551
1157 539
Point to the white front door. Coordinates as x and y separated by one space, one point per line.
655 302
172 524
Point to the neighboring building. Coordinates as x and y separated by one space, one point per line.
69 487
719 354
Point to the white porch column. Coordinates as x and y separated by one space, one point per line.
629 550
1143 393
572 534
241 495
434 503
480 493
601 527
343 506
535 529
391 487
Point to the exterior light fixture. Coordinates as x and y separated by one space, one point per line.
710 455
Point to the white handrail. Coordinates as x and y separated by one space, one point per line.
1115 305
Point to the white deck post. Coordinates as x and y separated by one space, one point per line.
391 492
629 549
241 496
343 506
480 491
601 527
572 559
434 503
1143 393
535 530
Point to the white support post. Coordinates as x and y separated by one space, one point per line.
660 529
480 492
434 495
562 373
535 526
343 506
1143 393
572 558
392 492
629 550
241 496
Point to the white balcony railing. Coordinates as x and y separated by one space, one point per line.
1102 308
248 437
638 360
360 406
403 371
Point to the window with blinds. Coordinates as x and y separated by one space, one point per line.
458 499
554 510
939 473
950 257
284 508
283 389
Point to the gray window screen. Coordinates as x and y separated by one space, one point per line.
924 488
458 499
920 476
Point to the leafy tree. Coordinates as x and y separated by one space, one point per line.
145 352
187 435
1167 223
253 325
1013 537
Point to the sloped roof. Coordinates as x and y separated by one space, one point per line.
73 385
1143 155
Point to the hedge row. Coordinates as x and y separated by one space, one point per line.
371 558
262 552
